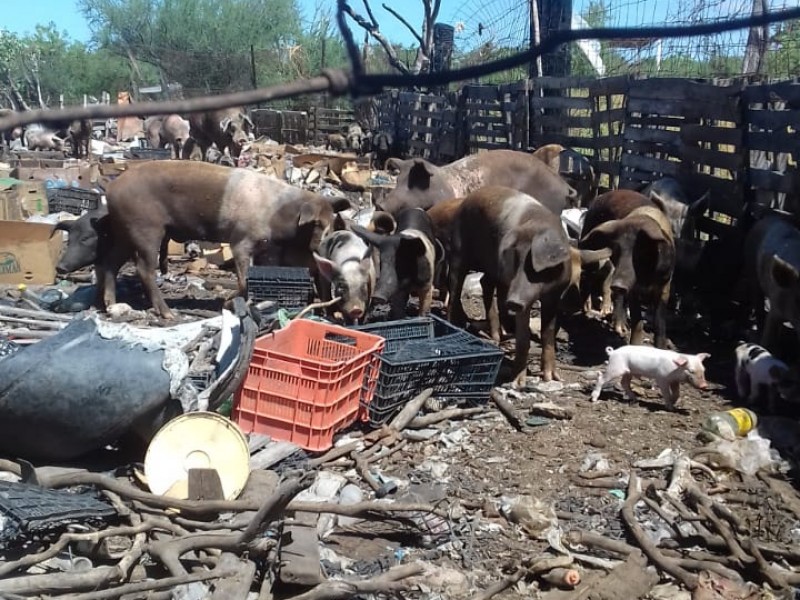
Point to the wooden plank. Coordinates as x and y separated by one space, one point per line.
300 558
713 228
680 88
654 121
488 145
773 181
478 106
733 161
722 190
647 147
566 140
481 92
647 134
271 454
563 121
692 134
561 102
772 119
612 115
787 91
561 83
609 86
237 586
646 163
774 141
658 107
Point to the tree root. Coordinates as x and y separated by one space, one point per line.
391 581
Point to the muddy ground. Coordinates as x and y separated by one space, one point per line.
484 459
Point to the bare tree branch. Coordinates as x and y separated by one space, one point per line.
369 12
404 22
378 36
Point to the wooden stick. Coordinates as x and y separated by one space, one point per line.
505 408
444 415
276 504
502 585
29 333
410 410
315 306
35 314
33 322
596 540
146 586
667 565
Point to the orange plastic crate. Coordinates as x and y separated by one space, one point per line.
307 381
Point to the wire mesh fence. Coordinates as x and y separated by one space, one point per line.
489 28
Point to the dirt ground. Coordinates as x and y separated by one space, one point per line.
476 463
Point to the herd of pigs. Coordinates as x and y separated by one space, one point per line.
532 223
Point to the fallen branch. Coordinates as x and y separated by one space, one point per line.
276 504
410 410
33 322
34 314
667 565
391 581
444 415
505 408
502 585
601 542
315 306
786 492
150 585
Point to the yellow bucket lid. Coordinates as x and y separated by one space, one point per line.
197 440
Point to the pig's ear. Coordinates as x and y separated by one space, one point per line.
339 204
419 175
248 122
549 249
326 267
368 236
681 361
225 123
382 222
700 206
308 214
784 274
703 356
601 236
653 230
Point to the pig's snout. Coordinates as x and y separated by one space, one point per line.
355 313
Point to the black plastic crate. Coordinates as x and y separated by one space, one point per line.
429 352
71 200
289 287
150 153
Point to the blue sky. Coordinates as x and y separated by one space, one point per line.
66 16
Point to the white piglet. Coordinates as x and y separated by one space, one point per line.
757 371
667 367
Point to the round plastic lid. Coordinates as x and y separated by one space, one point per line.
197 440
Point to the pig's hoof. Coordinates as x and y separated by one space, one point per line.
551 375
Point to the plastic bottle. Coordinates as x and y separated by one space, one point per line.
730 424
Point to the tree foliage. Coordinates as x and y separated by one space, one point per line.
202 44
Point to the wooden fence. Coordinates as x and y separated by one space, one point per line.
738 138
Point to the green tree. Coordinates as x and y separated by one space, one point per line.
202 44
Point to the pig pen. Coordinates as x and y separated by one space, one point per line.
463 503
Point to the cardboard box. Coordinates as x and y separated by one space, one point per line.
32 198
28 252
86 176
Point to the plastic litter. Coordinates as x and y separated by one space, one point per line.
749 454
728 424
534 516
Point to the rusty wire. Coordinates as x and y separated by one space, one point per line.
338 82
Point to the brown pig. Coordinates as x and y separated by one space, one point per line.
523 252
421 184
190 200
640 237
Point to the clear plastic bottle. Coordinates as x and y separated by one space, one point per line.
730 424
